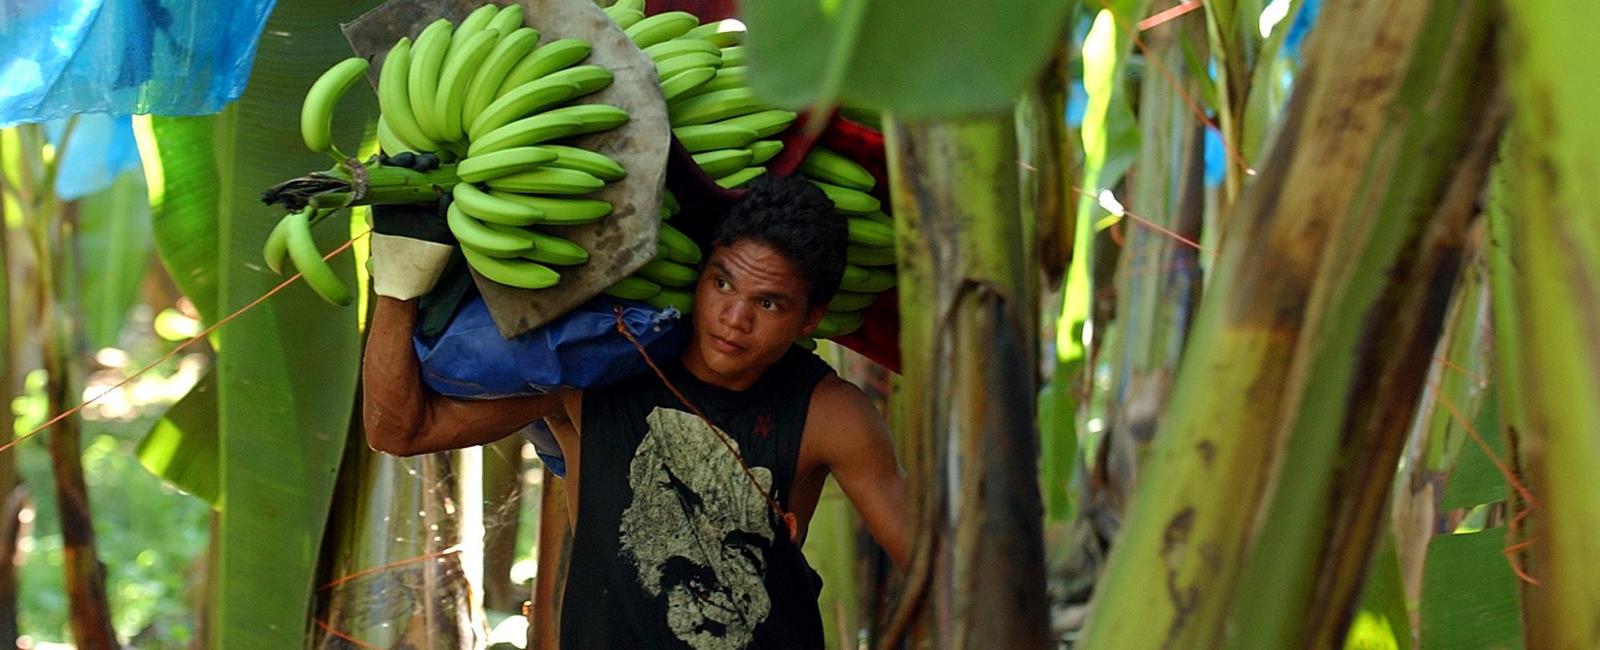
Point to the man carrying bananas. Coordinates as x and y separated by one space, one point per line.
683 535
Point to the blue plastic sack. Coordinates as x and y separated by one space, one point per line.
579 350
173 57
582 349
102 147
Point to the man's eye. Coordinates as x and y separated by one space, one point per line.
767 305
720 282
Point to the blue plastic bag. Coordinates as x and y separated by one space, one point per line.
580 350
173 57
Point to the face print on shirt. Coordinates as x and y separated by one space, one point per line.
695 531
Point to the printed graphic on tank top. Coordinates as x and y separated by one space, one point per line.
675 546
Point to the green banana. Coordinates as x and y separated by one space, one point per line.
316 113
722 162
536 95
715 33
475 22
313 268
550 57
668 273
869 233
458 71
762 151
683 301
880 217
685 82
714 106
847 200
277 245
679 47
860 255
838 324
527 99
680 64
422 77
661 27
669 204
388 141
733 56
528 130
485 237
634 288
866 280
549 180
476 169
628 5
830 167
807 343
728 77
740 177
550 249
765 123
706 137
584 160
393 102
850 301
495 208
513 272
624 18
594 118
680 248
557 211
506 53
509 19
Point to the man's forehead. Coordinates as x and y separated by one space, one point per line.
755 266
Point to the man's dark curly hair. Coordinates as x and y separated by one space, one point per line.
795 218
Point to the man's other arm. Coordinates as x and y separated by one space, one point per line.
404 418
855 445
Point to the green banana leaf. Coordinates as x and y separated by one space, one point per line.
182 446
184 194
1380 622
1469 597
855 52
114 246
286 370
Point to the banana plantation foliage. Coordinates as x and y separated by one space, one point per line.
1220 324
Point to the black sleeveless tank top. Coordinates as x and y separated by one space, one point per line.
675 547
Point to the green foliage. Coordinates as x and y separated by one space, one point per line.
114 247
855 51
1469 595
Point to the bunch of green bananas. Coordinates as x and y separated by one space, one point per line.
713 112
669 279
869 268
487 97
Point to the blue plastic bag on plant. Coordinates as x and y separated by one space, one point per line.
471 360
173 57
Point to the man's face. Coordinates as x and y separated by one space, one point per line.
749 307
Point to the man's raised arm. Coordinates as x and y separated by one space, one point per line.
404 418
411 245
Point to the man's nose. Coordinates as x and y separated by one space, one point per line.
738 315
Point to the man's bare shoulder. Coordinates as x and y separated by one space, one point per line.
841 413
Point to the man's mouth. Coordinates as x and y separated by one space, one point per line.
725 346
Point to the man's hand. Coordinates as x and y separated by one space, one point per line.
411 245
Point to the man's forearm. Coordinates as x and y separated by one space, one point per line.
394 403
404 418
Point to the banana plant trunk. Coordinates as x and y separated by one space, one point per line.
1262 499
1547 281
15 494
48 221
395 575
976 573
554 553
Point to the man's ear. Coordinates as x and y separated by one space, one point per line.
814 316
